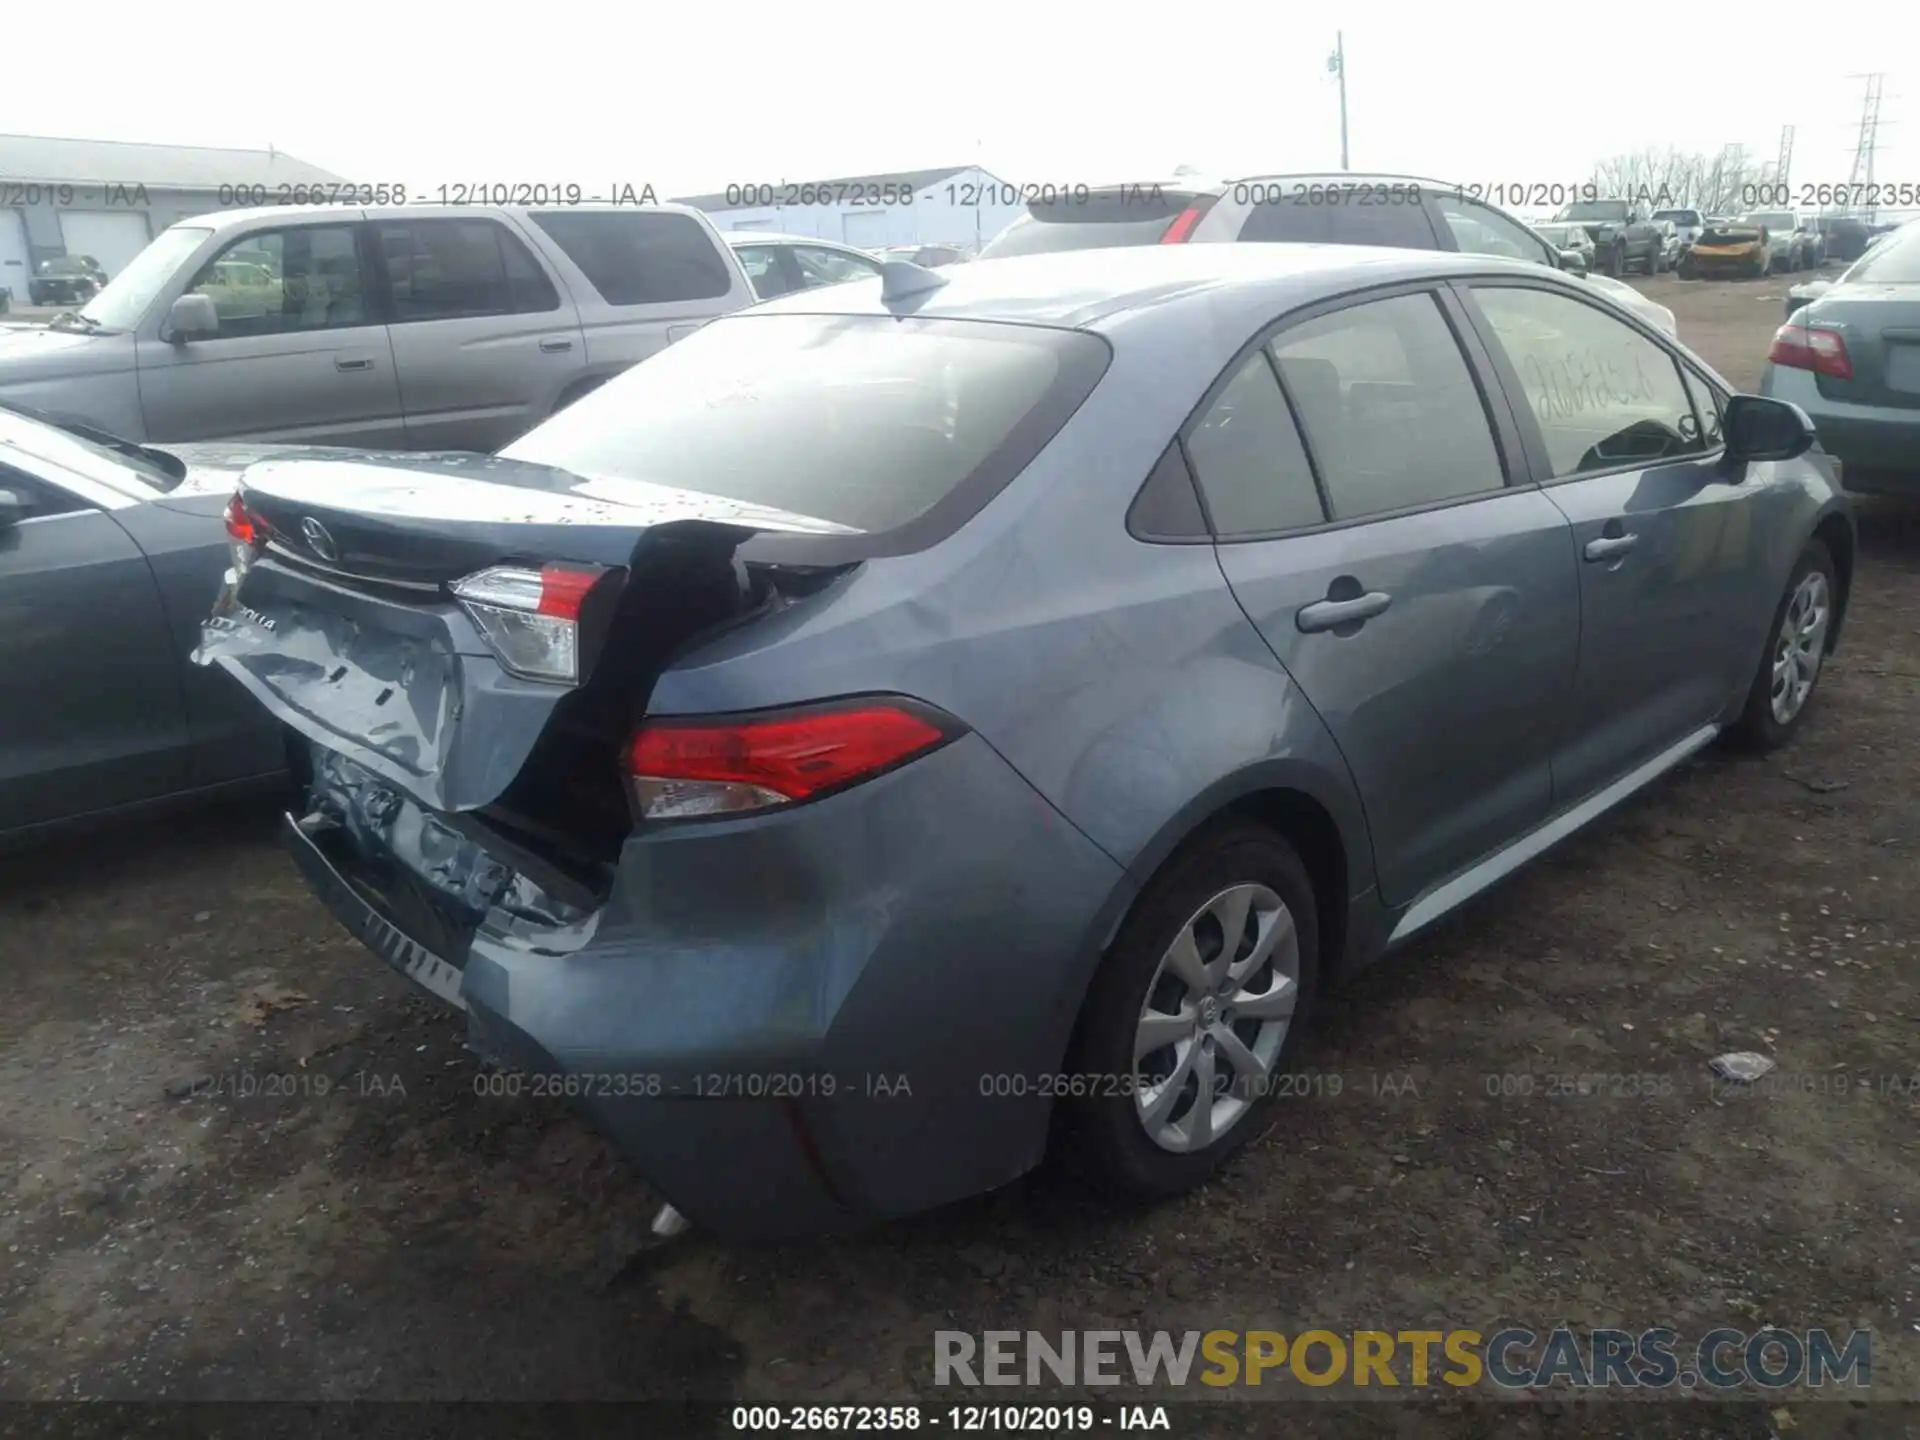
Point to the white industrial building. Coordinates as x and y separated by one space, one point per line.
108 198
954 205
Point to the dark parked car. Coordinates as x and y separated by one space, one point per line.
1846 236
1624 235
67 280
108 554
1850 357
894 697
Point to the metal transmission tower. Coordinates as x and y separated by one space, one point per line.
1862 175
1785 163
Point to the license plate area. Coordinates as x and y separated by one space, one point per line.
1903 367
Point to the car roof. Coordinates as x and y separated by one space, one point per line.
776 237
1097 289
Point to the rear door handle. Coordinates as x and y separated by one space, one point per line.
555 344
1609 547
341 362
1332 614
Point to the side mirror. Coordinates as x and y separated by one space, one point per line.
191 317
1573 262
12 509
1758 427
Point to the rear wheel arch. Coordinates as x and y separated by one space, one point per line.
575 389
1837 535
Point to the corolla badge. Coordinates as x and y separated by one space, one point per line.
318 540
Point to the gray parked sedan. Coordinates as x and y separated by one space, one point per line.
109 553
915 707
1850 357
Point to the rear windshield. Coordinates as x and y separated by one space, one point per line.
1678 217
865 421
1770 219
1894 261
1139 216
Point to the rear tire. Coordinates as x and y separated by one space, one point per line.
1126 1133
1795 655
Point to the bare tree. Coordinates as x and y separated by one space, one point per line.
1714 184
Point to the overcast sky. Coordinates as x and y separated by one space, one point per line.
692 98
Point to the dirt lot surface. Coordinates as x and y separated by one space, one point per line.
400 1237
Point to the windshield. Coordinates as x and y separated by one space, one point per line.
862 421
1894 261
1771 219
1678 217
130 294
1594 210
85 451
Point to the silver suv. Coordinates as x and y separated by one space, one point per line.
426 327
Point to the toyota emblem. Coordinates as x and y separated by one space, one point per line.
318 540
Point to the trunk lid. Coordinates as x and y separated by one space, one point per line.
1880 325
342 624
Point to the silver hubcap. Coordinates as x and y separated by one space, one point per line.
1798 648
1216 1013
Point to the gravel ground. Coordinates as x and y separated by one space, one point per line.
165 1232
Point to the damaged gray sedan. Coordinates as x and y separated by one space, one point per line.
904 716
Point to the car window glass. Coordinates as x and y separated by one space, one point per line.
762 264
1708 405
830 267
1247 456
272 283
641 258
40 498
1480 231
1392 415
1602 393
456 269
1310 217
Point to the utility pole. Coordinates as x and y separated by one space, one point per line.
1337 65
1862 175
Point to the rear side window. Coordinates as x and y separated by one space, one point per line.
1247 455
1602 393
1391 412
1297 219
457 269
860 421
1100 221
645 258
1894 261
39 498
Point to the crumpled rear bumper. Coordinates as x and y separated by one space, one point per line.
802 1020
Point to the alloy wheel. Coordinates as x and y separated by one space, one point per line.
1216 1013
1800 646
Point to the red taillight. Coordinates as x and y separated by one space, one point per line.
1182 226
1805 348
242 524
562 589
683 768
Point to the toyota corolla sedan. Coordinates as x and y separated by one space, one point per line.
914 722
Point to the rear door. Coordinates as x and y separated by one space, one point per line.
91 714
1671 555
483 342
1425 606
301 353
642 278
